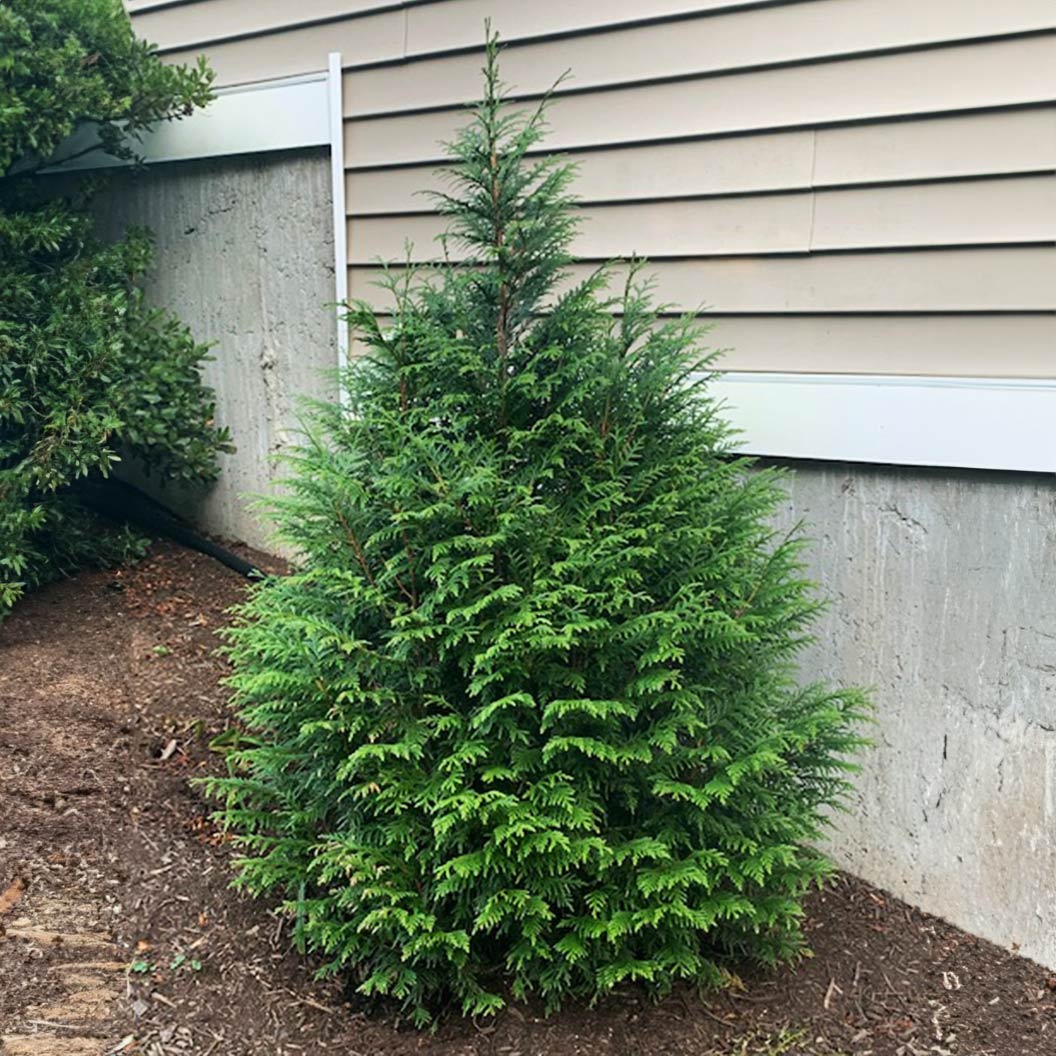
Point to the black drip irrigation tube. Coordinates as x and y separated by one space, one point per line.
119 501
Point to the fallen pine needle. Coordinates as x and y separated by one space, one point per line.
832 991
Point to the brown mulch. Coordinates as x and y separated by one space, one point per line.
121 933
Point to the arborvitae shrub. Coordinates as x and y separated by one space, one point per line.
523 720
89 371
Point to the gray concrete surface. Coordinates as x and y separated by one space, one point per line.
245 258
943 601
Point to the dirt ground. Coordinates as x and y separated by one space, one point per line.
119 933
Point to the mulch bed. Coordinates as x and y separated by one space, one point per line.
109 694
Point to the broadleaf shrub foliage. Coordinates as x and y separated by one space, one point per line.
524 718
89 371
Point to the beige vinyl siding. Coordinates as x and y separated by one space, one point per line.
204 24
976 212
846 186
891 344
903 344
937 149
426 26
972 76
790 33
955 280
661 170
299 50
731 35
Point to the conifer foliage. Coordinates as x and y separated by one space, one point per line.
523 720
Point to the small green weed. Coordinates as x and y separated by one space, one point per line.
180 961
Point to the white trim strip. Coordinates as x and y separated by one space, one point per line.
970 423
336 131
250 118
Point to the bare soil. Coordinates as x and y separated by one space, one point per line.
119 932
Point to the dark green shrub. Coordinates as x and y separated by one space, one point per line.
88 370
524 718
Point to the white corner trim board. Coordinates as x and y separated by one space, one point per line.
336 134
250 118
967 423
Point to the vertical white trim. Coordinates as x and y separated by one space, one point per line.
337 187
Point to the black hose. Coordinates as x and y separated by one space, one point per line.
117 500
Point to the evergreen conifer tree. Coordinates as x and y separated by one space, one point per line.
524 720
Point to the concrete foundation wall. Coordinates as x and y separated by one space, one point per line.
245 258
943 601
942 583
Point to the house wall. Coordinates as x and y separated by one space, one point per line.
942 591
256 289
850 186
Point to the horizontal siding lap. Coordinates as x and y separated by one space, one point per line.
197 23
437 27
751 163
137 8
950 280
974 213
970 145
303 50
776 224
940 345
201 24
945 345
